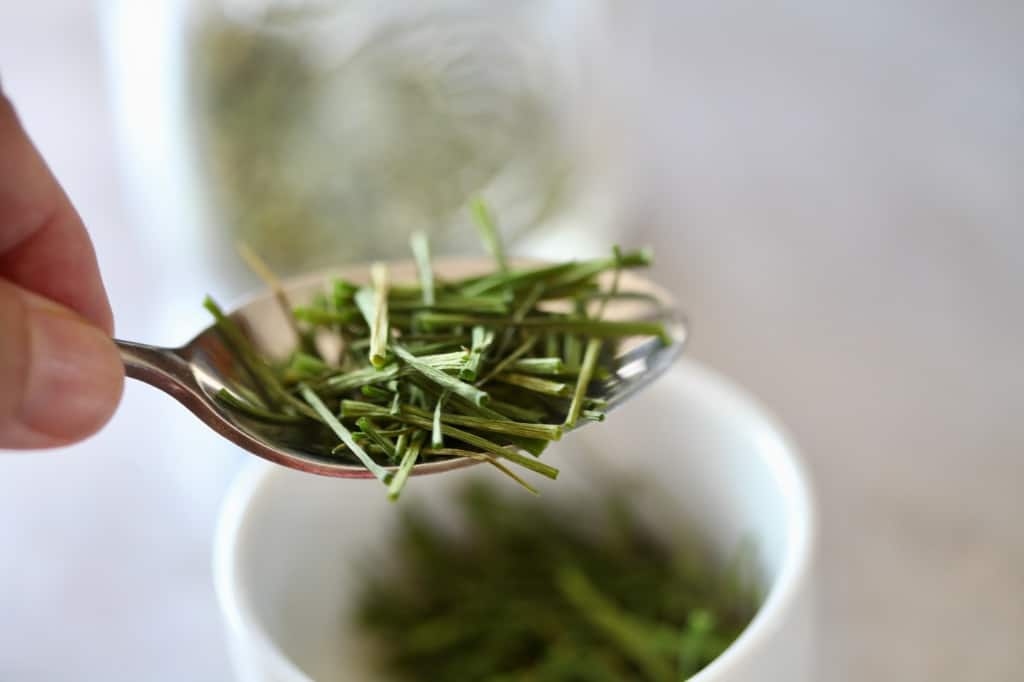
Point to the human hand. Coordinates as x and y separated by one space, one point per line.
60 373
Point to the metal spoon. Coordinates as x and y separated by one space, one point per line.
195 372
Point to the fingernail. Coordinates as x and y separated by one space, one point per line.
75 375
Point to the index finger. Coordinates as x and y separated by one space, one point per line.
44 246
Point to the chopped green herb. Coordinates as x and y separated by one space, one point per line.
436 437
453 364
525 591
421 254
344 434
409 457
586 371
445 381
489 232
533 383
482 340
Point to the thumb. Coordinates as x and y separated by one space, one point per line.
60 376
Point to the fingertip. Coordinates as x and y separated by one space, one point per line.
71 383
75 380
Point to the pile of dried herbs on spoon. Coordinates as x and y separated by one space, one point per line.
492 367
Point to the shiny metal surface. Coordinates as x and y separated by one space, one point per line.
194 373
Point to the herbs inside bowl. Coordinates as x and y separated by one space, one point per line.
527 591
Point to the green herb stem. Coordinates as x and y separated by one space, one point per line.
551 365
436 436
634 639
482 340
482 457
509 359
344 434
230 400
586 372
450 383
379 325
318 317
357 378
599 328
349 409
405 468
551 432
536 384
421 254
489 232
370 429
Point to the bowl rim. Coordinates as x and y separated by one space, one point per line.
784 461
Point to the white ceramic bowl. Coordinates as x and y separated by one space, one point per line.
285 539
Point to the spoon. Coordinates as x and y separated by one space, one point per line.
194 373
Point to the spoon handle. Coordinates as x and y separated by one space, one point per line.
167 370
162 368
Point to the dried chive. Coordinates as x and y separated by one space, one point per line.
489 232
586 371
349 408
573 351
599 328
240 346
379 326
508 360
551 345
376 393
436 437
483 457
230 400
356 379
482 340
536 384
368 427
517 412
356 408
538 366
480 367
421 254
405 468
344 434
316 316
445 381
263 271
509 589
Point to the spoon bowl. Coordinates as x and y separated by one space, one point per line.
194 373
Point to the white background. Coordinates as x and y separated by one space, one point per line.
836 194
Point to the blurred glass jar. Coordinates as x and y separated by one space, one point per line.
323 132
333 130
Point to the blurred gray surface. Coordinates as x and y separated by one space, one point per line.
834 193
